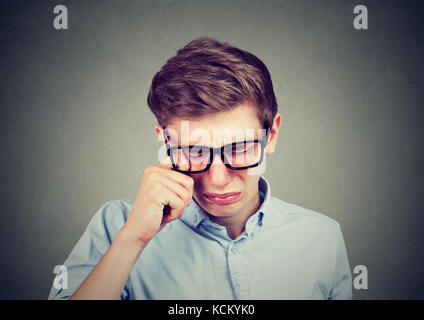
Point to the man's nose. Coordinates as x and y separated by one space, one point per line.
219 174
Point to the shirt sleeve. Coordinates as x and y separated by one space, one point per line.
90 248
342 281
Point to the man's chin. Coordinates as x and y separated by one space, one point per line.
221 210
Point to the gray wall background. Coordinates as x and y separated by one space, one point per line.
76 131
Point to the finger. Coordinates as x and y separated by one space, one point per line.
166 164
175 202
181 190
179 177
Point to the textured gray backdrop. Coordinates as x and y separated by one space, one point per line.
76 130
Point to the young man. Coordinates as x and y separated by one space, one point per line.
204 224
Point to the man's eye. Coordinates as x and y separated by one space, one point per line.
197 152
243 149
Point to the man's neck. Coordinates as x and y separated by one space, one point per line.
235 224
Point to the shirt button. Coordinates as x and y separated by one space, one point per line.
234 250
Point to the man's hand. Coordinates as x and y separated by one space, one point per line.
160 186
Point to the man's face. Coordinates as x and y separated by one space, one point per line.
210 186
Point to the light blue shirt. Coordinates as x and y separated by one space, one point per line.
285 252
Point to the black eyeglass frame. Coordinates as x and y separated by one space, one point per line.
213 151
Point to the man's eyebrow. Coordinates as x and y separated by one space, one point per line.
225 143
225 140
174 139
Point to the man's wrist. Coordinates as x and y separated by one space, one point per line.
126 239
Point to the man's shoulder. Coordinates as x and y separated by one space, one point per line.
290 212
114 208
111 215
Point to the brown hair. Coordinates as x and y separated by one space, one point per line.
207 76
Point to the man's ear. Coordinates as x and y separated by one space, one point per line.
159 131
273 135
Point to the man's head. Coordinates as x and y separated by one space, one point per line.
217 87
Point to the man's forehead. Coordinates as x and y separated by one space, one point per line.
240 117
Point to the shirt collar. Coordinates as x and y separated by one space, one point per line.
195 215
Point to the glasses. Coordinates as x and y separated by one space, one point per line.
238 155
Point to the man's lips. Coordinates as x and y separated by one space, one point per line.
222 198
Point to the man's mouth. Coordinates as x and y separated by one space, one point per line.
222 198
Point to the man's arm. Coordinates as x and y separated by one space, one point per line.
107 280
342 284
